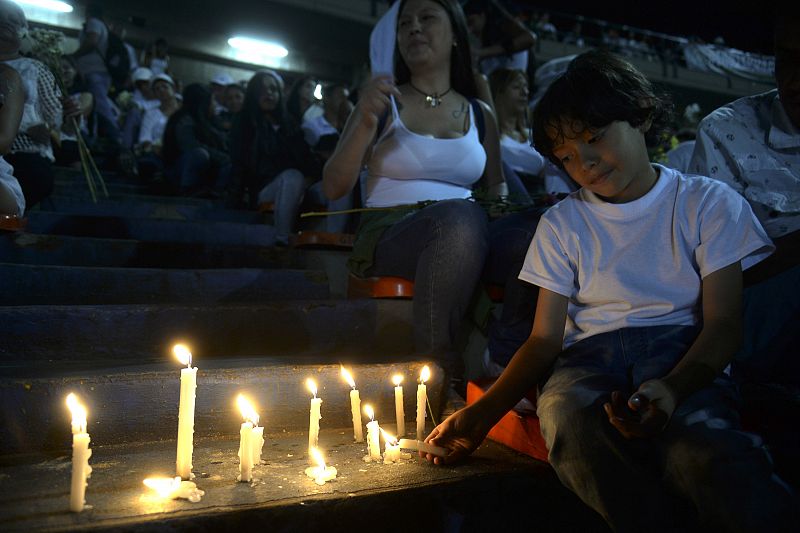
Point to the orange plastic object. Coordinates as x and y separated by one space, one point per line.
12 223
379 287
266 207
519 432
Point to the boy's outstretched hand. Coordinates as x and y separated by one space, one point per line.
645 413
460 434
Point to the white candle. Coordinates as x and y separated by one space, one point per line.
422 400
183 463
398 404
80 454
320 473
250 440
392 452
355 406
314 417
373 436
408 444
174 488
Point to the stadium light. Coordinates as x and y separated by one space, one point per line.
49 5
258 47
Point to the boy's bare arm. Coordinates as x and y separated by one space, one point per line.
464 431
720 337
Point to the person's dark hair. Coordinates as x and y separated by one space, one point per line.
196 104
462 79
597 89
293 99
501 78
251 110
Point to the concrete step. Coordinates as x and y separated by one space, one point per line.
65 285
85 196
495 490
103 336
68 184
37 249
153 207
140 404
154 230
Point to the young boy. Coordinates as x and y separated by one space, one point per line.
639 313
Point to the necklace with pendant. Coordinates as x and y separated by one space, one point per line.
433 100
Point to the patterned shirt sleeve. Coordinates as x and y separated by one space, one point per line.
49 97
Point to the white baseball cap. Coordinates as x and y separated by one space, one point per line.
142 74
162 77
222 78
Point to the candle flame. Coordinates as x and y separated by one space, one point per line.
78 412
369 411
183 354
164 486
397 379
425 375
246 408
317 456
388 438
348 377
312 386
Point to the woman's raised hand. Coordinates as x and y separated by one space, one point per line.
374 100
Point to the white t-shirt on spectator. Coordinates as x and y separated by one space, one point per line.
154 123
315 128
641 263
523 158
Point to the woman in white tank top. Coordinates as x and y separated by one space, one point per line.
418 139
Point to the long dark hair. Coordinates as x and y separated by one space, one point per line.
597 89
462 78
196 104
293 99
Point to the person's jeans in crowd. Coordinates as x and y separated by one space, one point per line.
130 130
99 83
285 192
701 467
196 171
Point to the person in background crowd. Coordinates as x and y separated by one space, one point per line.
527 173
91 65
66 152
143 99
31 152
300 101
12 100
234 99
218 85
156 57
195 152
322 133
151 135
500 39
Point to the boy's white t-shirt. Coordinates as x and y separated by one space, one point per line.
641 263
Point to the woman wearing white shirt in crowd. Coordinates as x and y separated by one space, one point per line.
155 119
527 172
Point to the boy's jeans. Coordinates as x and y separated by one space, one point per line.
702 455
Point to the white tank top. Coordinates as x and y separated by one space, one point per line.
406 167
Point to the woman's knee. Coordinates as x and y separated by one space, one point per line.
461 226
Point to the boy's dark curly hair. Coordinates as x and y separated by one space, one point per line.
597 89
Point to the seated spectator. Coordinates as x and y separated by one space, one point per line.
31 152
575 36
300 101
753 145
156 57
270 158
195 152
501 41
322 133
91 65
151 134
219 83
12 201
142 99
234 98
66 152
546 29
527 172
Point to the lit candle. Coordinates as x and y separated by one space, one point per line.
373 436
183 463
392 453
80 454
314 418
355 406
320 473
174 488
422 400
251 440
398 404
409 444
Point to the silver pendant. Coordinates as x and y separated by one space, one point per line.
433 100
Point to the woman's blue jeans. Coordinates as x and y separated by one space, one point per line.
702 457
